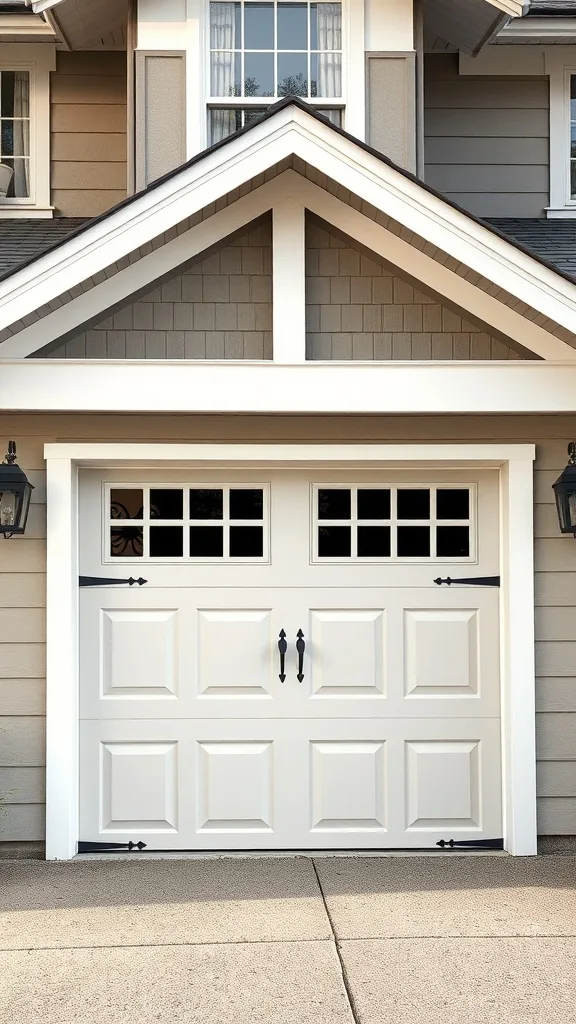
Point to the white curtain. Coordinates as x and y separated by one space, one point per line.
222 124
21 183
329 38
222 39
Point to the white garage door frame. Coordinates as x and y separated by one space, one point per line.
515 465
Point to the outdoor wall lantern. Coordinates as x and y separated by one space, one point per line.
565 493
15 494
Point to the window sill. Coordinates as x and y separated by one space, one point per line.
26 212
561 212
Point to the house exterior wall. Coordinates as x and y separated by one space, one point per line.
219 308
22 578
357 308
88 132
486 139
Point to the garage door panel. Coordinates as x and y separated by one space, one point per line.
290 784
347 652
235 648
139 652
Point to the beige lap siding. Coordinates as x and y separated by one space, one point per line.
486 139
218 307
22 568
357 308
88 132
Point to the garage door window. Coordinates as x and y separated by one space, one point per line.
200 524
393 523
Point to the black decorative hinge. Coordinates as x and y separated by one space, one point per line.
106 847
472 581
472 844
104 581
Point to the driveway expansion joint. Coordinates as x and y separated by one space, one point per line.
344 973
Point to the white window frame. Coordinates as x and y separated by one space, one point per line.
393 485
562 205
38 59
185 522
351 102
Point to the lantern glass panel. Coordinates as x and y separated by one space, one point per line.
9 502
25 506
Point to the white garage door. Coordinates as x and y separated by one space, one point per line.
379 727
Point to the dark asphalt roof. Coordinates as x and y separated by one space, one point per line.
552 9
553 241
24 240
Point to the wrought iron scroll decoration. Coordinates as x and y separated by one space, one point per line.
128 540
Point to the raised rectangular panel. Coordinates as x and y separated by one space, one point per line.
138 655
139 786
235 786
235 651
441 653
347 652
348 785
443 784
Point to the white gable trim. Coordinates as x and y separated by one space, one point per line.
288 195
289 131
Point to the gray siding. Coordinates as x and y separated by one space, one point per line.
219 307
356 308
23 566
486 139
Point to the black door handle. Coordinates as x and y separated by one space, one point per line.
282 647
300 647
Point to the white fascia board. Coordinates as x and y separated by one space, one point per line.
24 25
538 28
38 6
290 131
513 8
53 385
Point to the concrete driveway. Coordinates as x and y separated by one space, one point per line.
289 941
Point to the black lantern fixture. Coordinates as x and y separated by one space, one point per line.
15 493
565 493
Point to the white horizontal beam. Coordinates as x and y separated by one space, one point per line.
352 387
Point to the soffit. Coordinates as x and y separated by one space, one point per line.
89 24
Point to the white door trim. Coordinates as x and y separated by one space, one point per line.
514 461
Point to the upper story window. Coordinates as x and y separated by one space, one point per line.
261 51
14 135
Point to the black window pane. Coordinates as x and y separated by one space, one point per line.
258 27
292 26
253 113
413 542
166 504
206 541
334 504
8 81
246 503
126 542
126 503
246 541
373 503
292 74
206 504
334 542
373 541
452 541
414 504
259 74
166 541
453 504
